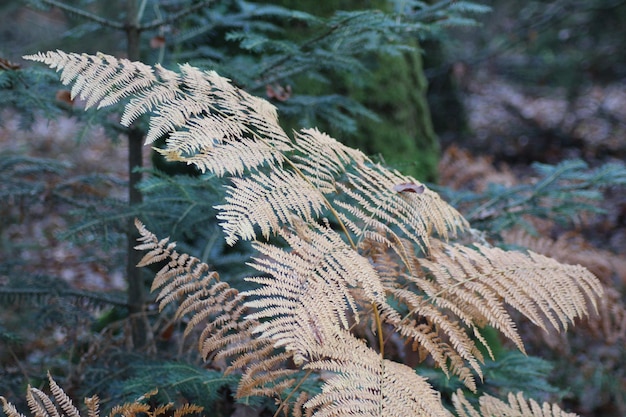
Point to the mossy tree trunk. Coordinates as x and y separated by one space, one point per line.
396 91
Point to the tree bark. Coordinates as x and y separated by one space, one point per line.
396 92
136 288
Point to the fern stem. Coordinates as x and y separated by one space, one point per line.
379 330
283 403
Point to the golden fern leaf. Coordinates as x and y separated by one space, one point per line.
364 384
62 399
93 406
269 202
476 285
159 410
517 406
40 404
187 409
227 334
130 410
322 159
9 409
569 248
229 158
430 329
288 302
299 404
266 373
572 249
99 78
538 287
377 202
206 300
312 294
205 114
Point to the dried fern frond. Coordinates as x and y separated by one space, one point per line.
364 384
99 78
208 114
312 293
227 335
201 296
374 204
221 128
431 330
267 201
266 370
471 281
60 405
288 301
323 159
10 410
571 249
461 289
517 406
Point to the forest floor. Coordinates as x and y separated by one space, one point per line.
514 126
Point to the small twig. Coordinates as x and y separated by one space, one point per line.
162 22
85 15
18 363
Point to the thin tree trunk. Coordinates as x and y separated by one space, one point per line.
136 287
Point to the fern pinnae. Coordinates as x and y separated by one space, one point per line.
9 409
378 206
40 404
366 385
126 83
302 308
93 406
428 336
204 298
299 403
34 405
517 406
89 74
217 303
187 409
62 399
448 291
269 201
145 101
319 257
322 159
523 287
130 410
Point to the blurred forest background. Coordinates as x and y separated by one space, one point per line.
488 102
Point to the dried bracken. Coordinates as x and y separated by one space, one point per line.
348 241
